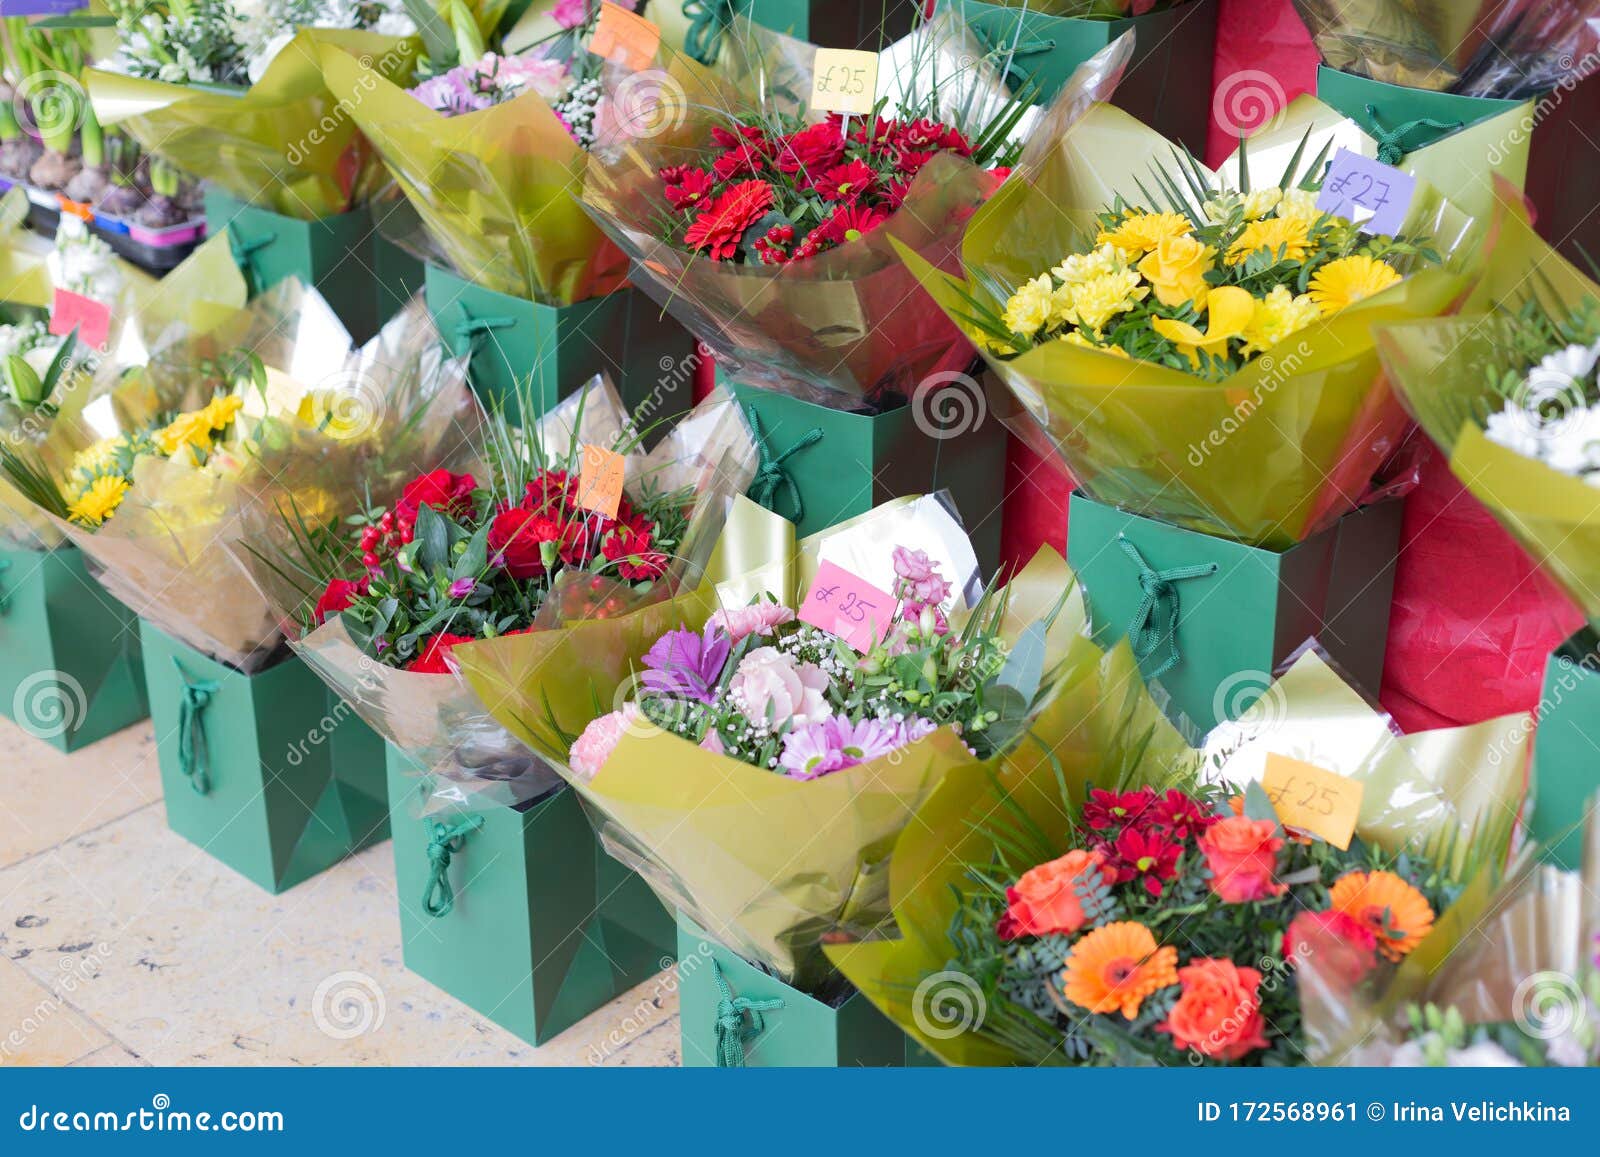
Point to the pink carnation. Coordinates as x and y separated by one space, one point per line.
756 619
600 739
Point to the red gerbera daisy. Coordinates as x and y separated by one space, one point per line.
691 188
852 222
723 221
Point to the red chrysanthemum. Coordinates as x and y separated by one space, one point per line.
722 223
690 190
1145 855
741 161
813 150
846 182
1110 811
1180 816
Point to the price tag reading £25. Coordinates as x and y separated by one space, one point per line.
1374 195
1311 799
844 80
847 605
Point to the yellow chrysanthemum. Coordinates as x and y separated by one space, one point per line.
1231 311
1076 338
191 429
96 501
1031 306
1278 315
222 409
94 459
1289 234
1344 282
1300 204
1097 301
1081 267
1139 232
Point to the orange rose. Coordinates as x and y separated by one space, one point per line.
1242 854
1218 1013
1045 899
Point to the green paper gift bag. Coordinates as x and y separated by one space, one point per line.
549 351
732 1014
1167 84
70 672
1210 618
820 466
270 773
697 27
519 913
336 255
1565 772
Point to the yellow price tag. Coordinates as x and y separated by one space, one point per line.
844 80
1313 800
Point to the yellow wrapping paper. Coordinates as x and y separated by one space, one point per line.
1268 456
23 277
1440 369
1452 794
496 189
286 143
765 863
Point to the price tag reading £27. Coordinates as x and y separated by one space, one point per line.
1311 799
844 80
1374 195
847 605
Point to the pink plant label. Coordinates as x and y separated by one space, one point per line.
1374 195
73 311
847 605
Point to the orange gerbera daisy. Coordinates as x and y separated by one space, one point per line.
1398 914
1115 967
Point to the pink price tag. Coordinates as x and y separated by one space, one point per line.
847 605
73 311
1374 195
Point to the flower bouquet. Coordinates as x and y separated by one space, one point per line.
175 451
756 767
1124 901
1118 279
767 229
501 538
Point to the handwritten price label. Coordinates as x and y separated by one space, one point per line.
847 605
73 311
600 480
1374 195
844 80
1313 800
624 37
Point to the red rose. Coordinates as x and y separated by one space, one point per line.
434 658
1218 1014
516 541
721 224
1334 943
813 150
1046 899
689 190
629 549
338 596
445 492
1242 854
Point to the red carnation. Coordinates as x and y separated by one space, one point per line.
630 550
338 597
722 223
516 541
434 658
846 182
690 190
851 223
814 149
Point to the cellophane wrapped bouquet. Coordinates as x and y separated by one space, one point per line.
1121 900
755 767
490 154
1196 345
237 98
1509 390
768 229
47 379
269 406
498 538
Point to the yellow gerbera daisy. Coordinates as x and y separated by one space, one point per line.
96 501
1344 282
1031 306
1278 315
1231 310
1139 232
1289 234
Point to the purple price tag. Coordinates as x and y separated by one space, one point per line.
39 7
1374 195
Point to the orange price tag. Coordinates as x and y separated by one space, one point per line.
844 80
600 480
624 37
1313 800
